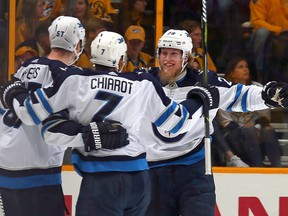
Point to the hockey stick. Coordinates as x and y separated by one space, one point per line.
207 141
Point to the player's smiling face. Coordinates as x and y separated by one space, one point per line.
170 61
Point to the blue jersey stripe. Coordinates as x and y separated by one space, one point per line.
44 101
166 114
238 92
181 122
108 166
2 111
45 126
190 159
31 112
30 181
244 102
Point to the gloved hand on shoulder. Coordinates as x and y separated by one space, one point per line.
105 134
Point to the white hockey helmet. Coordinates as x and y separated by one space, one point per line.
176 39
107 49
65 32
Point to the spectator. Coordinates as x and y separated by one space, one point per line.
25 51
133 12
222 154
79 9
53 9
249 134
227 37
35 47
220 147
270 24
102 9
135 39
31 14
42 38
195 31
93 26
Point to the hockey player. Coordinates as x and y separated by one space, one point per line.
30 170
176 162
114 182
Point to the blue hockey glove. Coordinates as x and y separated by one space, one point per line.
275 94
106 134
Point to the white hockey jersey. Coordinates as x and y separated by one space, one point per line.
164 148
128 98
25 159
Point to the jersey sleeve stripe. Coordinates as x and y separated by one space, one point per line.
44 101
180 124
162 118
244 101
238 92
31 112
46 126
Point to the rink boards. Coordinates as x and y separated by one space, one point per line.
239 191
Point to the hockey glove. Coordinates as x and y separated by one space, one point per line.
106 135
208 94
9 91
275 94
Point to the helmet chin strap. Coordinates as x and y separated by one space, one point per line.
77 54
183 67
182 70
75 58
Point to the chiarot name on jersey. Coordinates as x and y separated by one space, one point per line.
112 84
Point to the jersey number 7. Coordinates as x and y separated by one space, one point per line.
112 100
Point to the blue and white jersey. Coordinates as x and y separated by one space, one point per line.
25 159
164 148
96 95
